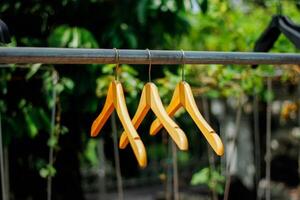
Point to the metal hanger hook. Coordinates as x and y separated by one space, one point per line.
117 57
150 65
183 63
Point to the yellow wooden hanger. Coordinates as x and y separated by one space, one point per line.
115 100
183 97
150 100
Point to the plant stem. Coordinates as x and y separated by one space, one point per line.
230 160
256 139
227 185
102 161
117 157
175 172
52 130
211 157
268 142
169 170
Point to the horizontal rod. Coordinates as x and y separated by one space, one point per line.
104 56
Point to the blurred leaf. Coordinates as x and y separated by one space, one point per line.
91 152
64 130
52 141
60 37
108 69
47 171
3 107
31 126
200 177
141 11
131 39
183 157
33 69
75 42
22 103
266 70
212 93
66 37
268 95
213 179
44 118
67 83
44 173
73 37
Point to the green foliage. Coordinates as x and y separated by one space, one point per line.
156 151
33 70
216 81
166 85
47 171
218 25
127 75
73 37
228 28
212 178
183 157
90 152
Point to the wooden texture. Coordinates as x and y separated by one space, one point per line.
150 100
183 97
115 100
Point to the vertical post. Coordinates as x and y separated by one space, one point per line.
169 170
231 159
102 188
175 172
211 157
117 157
268 141
52 130
4 196
256 139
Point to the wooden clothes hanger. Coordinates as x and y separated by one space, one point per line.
183 97
115 100
150 100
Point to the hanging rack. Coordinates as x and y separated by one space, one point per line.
105 56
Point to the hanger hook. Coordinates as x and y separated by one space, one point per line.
183 63
150 63
117 57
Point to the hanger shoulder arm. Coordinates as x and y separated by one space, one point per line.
172 128
134 139
210 135
140 114
104 115
171 110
